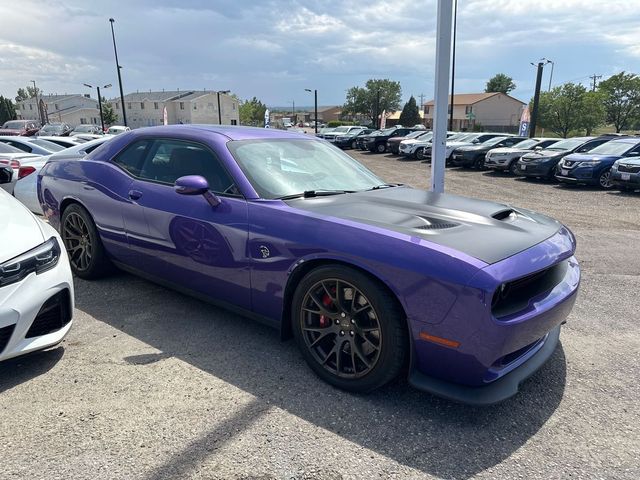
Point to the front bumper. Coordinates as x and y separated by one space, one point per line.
577 175
36 312
462 160
497 163
533 169
498 349
625 179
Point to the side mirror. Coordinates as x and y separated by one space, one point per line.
633 154
6 174
196 185
538 148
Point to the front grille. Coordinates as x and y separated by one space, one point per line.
514 296
513 356
5 335
628 168
54 314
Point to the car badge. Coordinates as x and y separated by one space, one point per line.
264 251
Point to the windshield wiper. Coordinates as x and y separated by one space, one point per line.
314 193
386 185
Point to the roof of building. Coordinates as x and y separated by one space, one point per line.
53 98
163 96
471 98
396 115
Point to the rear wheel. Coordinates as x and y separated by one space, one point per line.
349 329
87 256
353 145
420 154
479 163
381 148
513 167
605 179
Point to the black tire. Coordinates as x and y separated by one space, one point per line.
419 153
381 147
353 145
479 163
87 255
604 180
513 167
369 328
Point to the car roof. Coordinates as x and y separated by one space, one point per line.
232 132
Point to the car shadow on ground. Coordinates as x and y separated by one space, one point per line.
416 429
16 371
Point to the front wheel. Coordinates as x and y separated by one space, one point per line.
605 179
420 154
349 329
479 163
381 148
513 167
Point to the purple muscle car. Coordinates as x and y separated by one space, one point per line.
371 279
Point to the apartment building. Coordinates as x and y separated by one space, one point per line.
73 108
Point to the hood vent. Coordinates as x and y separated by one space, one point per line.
507 214
437 226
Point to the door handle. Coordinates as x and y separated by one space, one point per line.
135 194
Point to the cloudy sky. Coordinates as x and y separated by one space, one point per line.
274 49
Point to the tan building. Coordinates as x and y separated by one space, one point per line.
493 111
73 109
146 109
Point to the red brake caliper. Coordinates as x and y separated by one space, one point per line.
326 301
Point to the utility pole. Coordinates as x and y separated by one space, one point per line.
219 109
315 107
594 77
536 99
40 112
377 122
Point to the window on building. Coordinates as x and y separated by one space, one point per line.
30 106
426 109
181 105
234 106
83 121
155 105
129 105
195 106
141 105
56 106
234 122
117 106
468 109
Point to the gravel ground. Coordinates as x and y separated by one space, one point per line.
152 384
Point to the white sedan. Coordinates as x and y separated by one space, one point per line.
14 158
36 287
26 187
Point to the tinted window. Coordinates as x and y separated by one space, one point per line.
587 147
132 157
5 148
24 148
168 160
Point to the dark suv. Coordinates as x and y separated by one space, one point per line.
594 168
473 155
377 141
543 163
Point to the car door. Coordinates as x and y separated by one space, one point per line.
187 241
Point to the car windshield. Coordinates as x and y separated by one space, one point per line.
493 141
47 145
280 167
341 130
613 148
13 125
84 128
568 144
415 134
527 144
51 128
4 148
463 138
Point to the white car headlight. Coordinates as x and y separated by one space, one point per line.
589 163
36 260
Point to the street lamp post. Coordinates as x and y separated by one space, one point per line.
118 67
219 110
315 107
536 95
99 101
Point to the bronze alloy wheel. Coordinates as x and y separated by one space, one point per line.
77 241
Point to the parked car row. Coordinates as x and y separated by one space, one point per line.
605 161
29 128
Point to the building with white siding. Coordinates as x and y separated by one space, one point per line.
74 109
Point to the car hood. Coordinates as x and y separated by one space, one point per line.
484 230
630 161
583 157
20 231
545 153
473 148
509 150
458 144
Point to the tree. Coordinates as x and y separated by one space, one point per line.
7 110
593 111
375 97
562 110
109 117
252 112
410 114
500 83
30 92
621 96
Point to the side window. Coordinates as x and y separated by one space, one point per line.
591 145
511 141
24 148
132 157
633 152
169 160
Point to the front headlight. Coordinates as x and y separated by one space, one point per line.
36 260
588 163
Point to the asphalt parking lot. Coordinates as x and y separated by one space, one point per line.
153 384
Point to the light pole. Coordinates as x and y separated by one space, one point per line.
551 76
35 92
220 111
315 107
118 67
108 85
